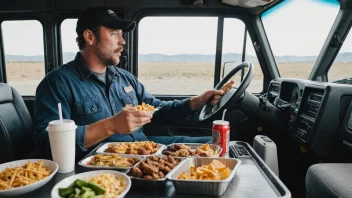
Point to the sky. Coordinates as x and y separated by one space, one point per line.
296 27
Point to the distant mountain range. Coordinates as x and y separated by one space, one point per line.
182 58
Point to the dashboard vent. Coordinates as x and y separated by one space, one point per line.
274 91
315 98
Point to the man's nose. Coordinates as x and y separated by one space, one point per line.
122 40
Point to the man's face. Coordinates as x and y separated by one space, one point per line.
109 47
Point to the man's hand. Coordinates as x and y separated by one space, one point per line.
212 96
199 101
129 120
126 121
226 87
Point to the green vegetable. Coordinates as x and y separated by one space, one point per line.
73 185
87 190
72 196
96 189
65 192
87 194
81 183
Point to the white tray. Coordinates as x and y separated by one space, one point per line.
202 187
84 162
103 147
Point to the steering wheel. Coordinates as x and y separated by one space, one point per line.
233 94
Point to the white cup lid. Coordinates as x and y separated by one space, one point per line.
66 125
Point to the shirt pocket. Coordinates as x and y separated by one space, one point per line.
90 110
130 98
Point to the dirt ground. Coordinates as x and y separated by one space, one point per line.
171 78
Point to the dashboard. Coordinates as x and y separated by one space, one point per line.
315 113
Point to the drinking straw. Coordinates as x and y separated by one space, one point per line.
60 112
223 114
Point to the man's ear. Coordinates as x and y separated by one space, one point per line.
89 37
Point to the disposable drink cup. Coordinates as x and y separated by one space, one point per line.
62 136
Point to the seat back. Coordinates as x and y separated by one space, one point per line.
16 126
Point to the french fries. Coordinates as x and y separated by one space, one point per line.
135 148
23 175
145 107
214 171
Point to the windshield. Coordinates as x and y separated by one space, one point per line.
341 70
297 31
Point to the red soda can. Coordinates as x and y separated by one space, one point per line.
221 135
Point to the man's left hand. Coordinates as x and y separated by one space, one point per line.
201 100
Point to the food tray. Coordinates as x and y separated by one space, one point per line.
194 146
104 146
150 183
203 187
85 160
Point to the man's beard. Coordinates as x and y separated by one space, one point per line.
106 60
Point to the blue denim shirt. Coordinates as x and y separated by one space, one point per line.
86 100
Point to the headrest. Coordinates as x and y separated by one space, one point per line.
6 95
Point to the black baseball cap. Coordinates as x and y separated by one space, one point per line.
101 16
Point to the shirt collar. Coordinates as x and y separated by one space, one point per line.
84 70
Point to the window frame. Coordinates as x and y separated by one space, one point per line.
220 13
61 19
25 17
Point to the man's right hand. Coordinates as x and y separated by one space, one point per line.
129 120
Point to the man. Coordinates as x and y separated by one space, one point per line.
100 97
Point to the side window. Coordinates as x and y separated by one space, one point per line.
24 54
68 40
176 55
232 52
341 70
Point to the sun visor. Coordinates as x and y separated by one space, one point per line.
247 3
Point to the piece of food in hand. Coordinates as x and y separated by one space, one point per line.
145 107
226 87
214 171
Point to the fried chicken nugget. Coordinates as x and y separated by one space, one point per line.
136 172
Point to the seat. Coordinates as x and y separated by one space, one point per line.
329 180
16 126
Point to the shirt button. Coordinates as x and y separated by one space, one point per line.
93 109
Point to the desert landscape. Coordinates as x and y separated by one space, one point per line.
171 78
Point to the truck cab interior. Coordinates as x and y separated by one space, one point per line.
293 84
